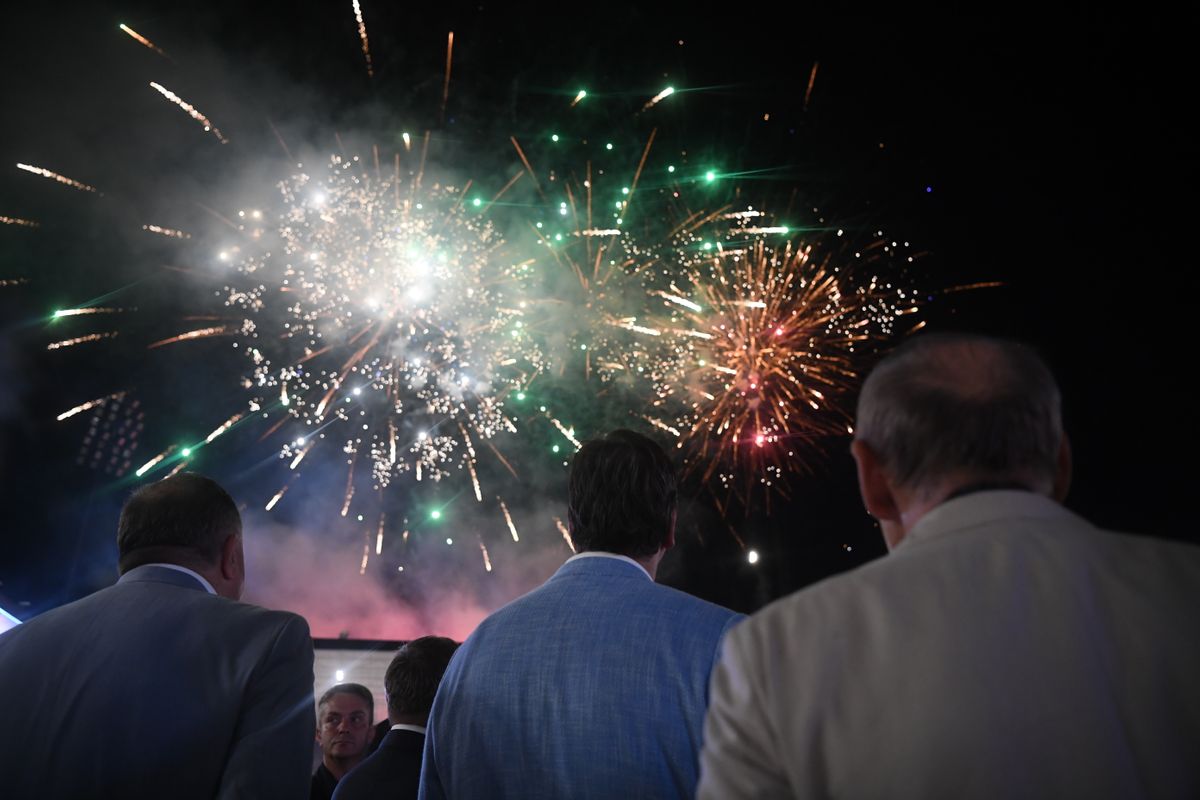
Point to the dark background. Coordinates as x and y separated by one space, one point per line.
1044 150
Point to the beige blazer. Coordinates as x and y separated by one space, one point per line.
1006 648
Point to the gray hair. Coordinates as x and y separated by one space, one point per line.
945 406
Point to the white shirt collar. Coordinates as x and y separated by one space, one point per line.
208 587
603 554
400 726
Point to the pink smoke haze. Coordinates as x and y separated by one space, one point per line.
307 574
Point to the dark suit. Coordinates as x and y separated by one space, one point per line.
394 770
155 688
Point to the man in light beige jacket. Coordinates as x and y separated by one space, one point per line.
1004 648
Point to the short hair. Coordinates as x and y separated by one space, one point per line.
621 495
412 679
184 517
356 689
952 405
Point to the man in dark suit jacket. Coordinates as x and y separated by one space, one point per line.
162 685
411 683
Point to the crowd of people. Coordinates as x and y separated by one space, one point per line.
1004 647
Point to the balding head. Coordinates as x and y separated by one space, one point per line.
951 410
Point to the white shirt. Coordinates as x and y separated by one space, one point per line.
603 554
208 587
400 726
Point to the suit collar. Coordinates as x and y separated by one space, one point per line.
982 508
167 573
596 562
402 739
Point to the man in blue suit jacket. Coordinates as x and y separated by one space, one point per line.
162 685
594 685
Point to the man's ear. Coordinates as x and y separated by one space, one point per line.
873 484
231 557
1062 475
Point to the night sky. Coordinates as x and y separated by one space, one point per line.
1044 152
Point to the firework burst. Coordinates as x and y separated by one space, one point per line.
767 336
378 311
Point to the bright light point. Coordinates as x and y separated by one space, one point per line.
422 435
784 229
752 556
318 199
435 514
583 347
563 210
608 146
299 441
399 569
703 362
554 137
223 255
339 676
708 245
357 391
624 190
539 224
187 451
671 168
285 401
582 94
670 90
558 237
779 331
449 541
710 176
58 314
555 448
520 395
476 202
758 440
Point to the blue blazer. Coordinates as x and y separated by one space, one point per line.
592 686
155 688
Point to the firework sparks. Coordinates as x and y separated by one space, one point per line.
152 463
76 312
387 315
658 98
201 333
487 560
449 62
566 534
25 223
145 42
508 518
89 405
91 337
223 428
191 111
765 346
54 176
582 94
362 35
168 232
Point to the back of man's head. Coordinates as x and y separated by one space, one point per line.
621 495
960 408
183 519
412 679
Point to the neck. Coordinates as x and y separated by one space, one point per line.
421 720
340 766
